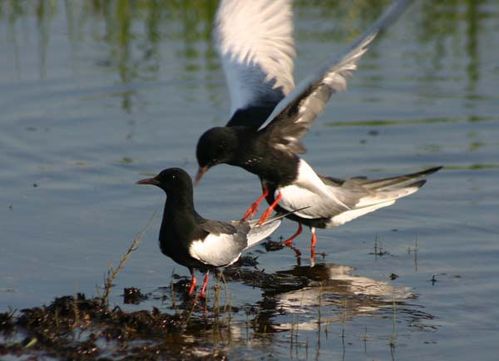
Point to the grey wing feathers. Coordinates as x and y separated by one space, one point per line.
293 120
407 180
294 115
258 233
218 227
365 195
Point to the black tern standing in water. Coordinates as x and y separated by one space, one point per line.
269 118
196 242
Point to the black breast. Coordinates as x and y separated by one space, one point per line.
175 237
274 166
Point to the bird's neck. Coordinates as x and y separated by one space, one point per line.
272 165
179 221
179 204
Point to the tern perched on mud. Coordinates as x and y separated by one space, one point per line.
196 242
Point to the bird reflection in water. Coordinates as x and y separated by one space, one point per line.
334 285
304 289
305 301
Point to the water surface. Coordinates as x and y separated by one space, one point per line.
95 95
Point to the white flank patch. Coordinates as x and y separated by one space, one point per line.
295 197
308 190
216 250
308 179
322 200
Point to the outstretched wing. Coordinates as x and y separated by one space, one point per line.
294 115
255 42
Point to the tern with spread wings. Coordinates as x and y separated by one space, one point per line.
269 117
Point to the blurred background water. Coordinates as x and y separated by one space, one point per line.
97 94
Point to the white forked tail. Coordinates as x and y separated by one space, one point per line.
258 232
382 193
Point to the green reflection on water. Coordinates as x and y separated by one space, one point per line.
132 31
389 122
474 166
439 19
440 24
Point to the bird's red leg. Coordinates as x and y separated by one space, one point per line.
269 210
289 241
193 283
251 211
313 242
202 294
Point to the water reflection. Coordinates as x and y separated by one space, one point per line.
473 23
129 50
442 22
329 288
134 30
333 289
298 308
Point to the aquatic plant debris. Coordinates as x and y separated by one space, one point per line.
77 328
181 327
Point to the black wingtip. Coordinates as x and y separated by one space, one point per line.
417 184
425 172
432 170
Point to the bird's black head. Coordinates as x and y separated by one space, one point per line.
171 180
217 145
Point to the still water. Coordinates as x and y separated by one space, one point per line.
95 95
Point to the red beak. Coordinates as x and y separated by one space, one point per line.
152 181
200 173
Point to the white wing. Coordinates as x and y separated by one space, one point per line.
321 207
217 249
293 116
309 191
222 249
351 198
258 233
255 42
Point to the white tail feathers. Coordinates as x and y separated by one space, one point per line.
381 193
258 233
